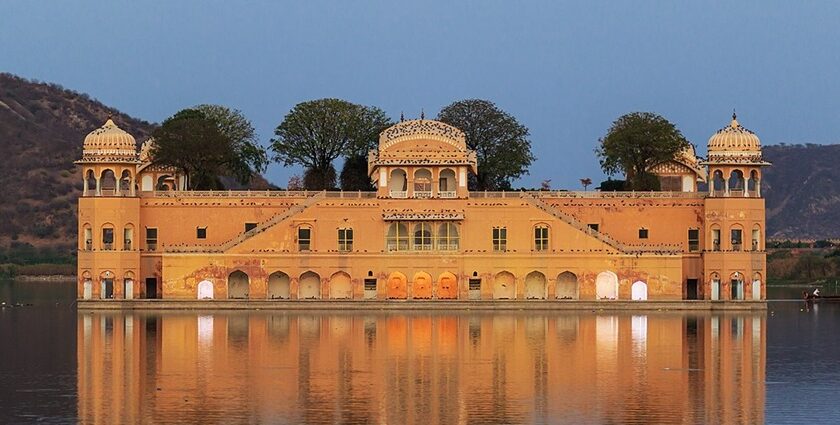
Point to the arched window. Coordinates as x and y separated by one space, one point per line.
397 238
128 237
165 182
756 238
715 238
90 182
125 182
736 233
736 182
397 184
423 183
718 183
87 238
752 184
447 184
541 237
447 237
423 236
107 237
108 182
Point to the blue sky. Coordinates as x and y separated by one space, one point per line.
564 69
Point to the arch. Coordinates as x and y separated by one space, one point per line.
639 292
718 183
736 237
398 183
421 287
566 287
279 286
446 183
755 240
108 237
422 183
128 237
504 286
90 182
87 288
447 286
422 236
238 285
341 287
397 238
714 237
606 286
535 288
397 288
756 287
165 182
147 183
128 285
736 286
753 183
736 181
87 237
714 283
309 286
125 182
205 290
107 180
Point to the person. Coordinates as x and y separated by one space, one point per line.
816 292
805 295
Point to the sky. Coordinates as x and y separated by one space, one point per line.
566 70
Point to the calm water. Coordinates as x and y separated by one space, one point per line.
275 367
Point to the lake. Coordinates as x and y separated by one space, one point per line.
60 366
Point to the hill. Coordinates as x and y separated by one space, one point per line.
803 191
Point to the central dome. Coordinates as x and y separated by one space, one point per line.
109 142
734 140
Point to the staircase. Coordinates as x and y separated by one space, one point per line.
535 200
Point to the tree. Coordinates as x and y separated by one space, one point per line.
637 141
585 182
354 172
316 133
499 140
207 145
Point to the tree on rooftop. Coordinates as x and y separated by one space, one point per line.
637 141
206 142
499 140
316 133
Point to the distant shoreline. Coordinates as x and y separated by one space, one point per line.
44 278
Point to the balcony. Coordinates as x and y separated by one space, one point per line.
716 246
448 195
107 246
423 194
737 246
127 246
399 194
151 246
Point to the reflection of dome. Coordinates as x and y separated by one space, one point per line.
109 141
734 140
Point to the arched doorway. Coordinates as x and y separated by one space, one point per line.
736 286
309 286
87 286
446 184
128 286
422 286
397 288
107 285
504 286
341 286
205 290
566 287
535 286
606 286
398 183
715 286
447 288
638 292
238 283
756 287
278 286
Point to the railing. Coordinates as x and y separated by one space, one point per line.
548 194
127 246
422 194
693 246
107 246
448 194
88 245
715 246
399 194
151 246
736 246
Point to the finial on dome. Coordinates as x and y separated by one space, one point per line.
422 114
734 122
402 117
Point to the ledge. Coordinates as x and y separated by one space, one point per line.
339 305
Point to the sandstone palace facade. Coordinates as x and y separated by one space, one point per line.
422 234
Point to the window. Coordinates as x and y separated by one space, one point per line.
593 226
541 237
756 234
128 237
447 237
345 240
693 240
715 239
500 239
643 233
250 226
304 238
151 238
475 284
108 238
88 238
737 239
370 284
423 237
201 232
397 238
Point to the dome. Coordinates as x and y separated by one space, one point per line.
109 142
734 141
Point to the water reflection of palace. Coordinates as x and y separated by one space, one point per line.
464 368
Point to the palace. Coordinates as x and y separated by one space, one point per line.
422 235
